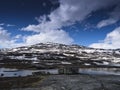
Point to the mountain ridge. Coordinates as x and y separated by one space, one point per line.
52 54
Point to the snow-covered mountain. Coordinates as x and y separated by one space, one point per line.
60 54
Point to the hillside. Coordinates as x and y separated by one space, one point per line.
52 55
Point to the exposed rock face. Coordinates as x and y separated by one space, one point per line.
66 58
54 54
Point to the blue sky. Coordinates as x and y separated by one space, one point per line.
93 23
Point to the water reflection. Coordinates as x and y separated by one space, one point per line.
100 71
6 72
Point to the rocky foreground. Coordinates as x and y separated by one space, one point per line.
77 82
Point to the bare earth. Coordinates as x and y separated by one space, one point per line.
77 82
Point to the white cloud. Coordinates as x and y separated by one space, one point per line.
111 41
67 14
114 17
56 36
6 41
106 22
2 24
10 25
4 35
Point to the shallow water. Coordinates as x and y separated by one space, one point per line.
100 71
7 72
51 71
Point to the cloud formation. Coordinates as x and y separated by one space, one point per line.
106 22
4 38
4 35
6 41
2 24
69 12
49 27
111 41
114 17
7 25
57 36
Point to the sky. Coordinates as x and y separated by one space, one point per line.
92 23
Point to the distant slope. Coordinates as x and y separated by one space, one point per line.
54 54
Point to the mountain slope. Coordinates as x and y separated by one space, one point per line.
54 54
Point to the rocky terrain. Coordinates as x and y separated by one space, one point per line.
53 66
54 55
77 82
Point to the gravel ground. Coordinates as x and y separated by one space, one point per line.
78 82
